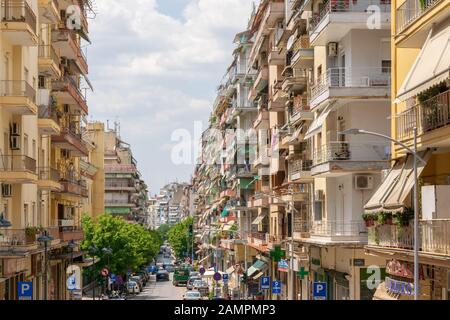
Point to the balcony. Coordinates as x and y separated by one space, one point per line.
48 120
111 186
70 139
352 83
49 179
303 54
301 115
67 91
301 228
434 237
429 117
69 231
259 201
412 10
81 62
49 62
17 241
257 239
48 11
263 158
339 231
18 169
228 193
300 171
65 41
262 79
276 57
119 203
19 23
274 240
338 17
278 96
18 97
121 169
295 80
337 158
74 187
262 121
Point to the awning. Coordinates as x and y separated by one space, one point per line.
258 266
295 137
291 40
393 191
200 261
225 212
316 125
432 66
230 270
259 275
382 294
259 219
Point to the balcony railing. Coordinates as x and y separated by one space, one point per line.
50 174
337 6
17 88
435 236
77 187
426 116
120 169
48 52
391 236
352 78
339 228
411 10
18 11
48 112
301 225
15 237
17 164
299 166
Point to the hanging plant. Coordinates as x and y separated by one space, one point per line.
403 219
385 218
369 219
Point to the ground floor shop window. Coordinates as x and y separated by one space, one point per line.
342 292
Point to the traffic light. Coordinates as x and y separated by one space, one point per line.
191 230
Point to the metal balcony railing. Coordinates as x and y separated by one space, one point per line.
346 151
301 225
411 10
67 83
15 237
299 166
48 112
429 115
16 163
339 228
49 174
337 6
17 88
18 11
48 52
352 77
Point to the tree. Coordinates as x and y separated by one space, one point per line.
179 238
163 230
132 245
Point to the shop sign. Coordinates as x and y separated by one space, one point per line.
399 287
403 269
283 266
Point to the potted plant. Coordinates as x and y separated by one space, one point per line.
369 219
385 218
30 234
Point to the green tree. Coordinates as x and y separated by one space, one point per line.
179 238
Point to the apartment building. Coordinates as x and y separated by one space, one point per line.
126 193
420 99
43 174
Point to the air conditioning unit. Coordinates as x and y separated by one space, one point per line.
6 190
15 142
363 182
319 195
332 49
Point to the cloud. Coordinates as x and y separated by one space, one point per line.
158 72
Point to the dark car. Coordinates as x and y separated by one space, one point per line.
169 268
162 275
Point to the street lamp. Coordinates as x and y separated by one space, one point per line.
45 238
92 250
4 223
416 196
72 245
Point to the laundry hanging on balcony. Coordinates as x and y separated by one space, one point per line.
432 66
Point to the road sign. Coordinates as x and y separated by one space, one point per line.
105 272
25 290
265 283
202 271
72 283
225 277
217 276
113 277
320 291
276 287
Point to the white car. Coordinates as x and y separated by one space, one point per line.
192 295
133 287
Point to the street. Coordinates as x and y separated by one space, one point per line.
163 290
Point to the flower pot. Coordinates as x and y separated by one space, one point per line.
370 223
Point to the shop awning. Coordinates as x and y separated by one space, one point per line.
258 266
225 212
259 219
382 294
316 125
200 261
259 275
432 66
392 193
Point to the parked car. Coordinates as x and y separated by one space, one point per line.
162 275
139 281
201 286
190 283
133 287
194 274
169 268
144 275
192 295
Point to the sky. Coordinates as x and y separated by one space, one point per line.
155 66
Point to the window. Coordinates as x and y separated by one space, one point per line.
319 74
33 152
318 210
386 66
41 82
25 213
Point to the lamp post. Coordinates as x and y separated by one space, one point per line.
45 238
72 245
4 223
92 250
416 196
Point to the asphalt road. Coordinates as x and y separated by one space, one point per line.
163 290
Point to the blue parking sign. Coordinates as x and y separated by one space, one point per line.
265 283
25 290
320 290
225 277
276 287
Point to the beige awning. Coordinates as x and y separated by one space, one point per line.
204 258
316 125
382 294
296 136
259 219
432 66
392 193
